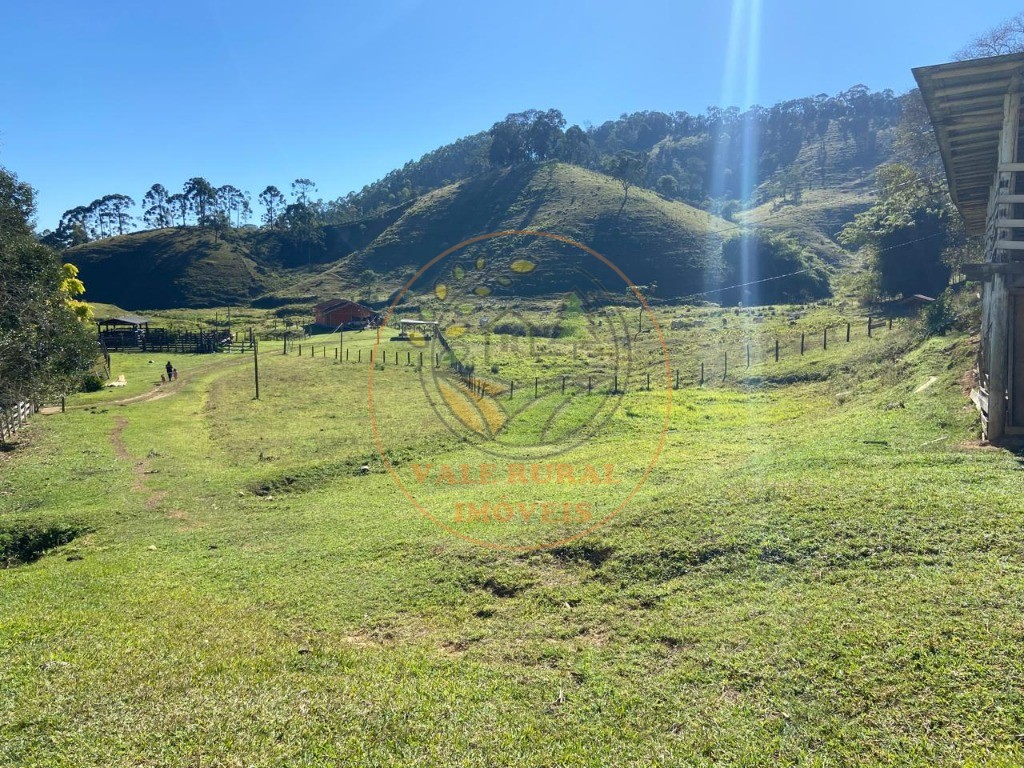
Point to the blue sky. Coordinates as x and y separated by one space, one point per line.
114 96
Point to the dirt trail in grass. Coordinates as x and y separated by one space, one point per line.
140 468
157 393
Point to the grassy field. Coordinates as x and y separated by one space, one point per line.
822 572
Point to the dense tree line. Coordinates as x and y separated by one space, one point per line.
45 348
198 204
695 158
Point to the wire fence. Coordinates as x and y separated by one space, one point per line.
703 365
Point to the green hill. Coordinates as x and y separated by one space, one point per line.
651 239
814 161
176 267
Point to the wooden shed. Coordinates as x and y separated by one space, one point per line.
975 108
341 312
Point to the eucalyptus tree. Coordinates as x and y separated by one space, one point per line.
202 197
301 190
273 203
180 207
157 212
120 207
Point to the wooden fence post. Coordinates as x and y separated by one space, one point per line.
801 343
824 340
725 367
511 389
748 355
776 350
847 333
702 374
256 368
869 326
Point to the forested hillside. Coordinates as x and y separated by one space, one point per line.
815 160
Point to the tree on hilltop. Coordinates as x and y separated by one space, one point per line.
628 167
157 211
302 189
1008 37
273 203
202 198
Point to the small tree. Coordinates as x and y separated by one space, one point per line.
667 186
628 167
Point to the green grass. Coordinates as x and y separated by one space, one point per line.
822 573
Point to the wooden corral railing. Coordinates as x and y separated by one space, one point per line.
12 418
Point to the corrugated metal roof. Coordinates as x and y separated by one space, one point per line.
965 102
125 319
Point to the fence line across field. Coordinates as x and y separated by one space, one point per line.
711 364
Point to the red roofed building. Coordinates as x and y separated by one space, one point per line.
337 312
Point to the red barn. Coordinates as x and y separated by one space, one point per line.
338 312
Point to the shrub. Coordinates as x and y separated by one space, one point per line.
92 382
940 316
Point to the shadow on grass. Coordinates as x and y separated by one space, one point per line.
23 541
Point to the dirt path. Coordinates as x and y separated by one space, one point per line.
140 468
159 392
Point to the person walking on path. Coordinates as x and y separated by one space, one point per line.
170 369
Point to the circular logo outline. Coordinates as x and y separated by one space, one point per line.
668 390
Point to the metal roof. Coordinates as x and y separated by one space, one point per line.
323 306
965 102
124 320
